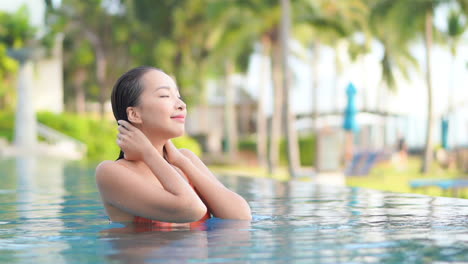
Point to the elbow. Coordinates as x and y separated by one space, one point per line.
242 211
191 210
246 213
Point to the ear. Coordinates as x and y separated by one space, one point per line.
133 115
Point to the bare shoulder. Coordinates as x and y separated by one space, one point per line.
104 166
106 169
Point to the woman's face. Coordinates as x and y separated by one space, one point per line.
161 109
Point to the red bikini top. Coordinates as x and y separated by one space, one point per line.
154 224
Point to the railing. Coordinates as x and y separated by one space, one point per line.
57 138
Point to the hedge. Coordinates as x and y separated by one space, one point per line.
98 135
307 149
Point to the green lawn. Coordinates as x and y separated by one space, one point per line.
389 177
385 176
281 173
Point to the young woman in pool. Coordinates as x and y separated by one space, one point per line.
152 181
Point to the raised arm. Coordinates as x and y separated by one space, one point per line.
221 201
123 188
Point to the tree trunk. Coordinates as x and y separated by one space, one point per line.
101 68
101 65
25 117
261 118
230 111
338 69
383 108
288 116
273 155
427 160
80 96
315 83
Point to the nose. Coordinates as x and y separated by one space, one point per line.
180 104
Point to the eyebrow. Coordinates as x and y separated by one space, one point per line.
165 87
162 87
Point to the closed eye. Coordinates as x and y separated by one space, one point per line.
164 96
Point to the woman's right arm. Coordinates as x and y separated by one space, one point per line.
121 187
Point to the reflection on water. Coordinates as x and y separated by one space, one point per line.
138 244
50 212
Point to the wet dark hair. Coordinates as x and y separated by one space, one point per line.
126 93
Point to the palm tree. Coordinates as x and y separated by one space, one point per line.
107 34
328 23
396 58
456 28
288 117
415 18
265 21
261 116
230 41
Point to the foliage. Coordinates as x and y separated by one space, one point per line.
248 144
15 30
15 33
98 135
307 149
8 69
457 25
188 143
7 124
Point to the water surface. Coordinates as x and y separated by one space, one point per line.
50 212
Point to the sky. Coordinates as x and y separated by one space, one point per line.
36 9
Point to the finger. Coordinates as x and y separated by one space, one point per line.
122 129
125 124
169 144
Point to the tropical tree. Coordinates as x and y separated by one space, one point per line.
263 19
15 33
328 23
456 26
266 22
231 42
396 60
106 31
289 119
416 19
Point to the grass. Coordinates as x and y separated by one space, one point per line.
395 178
281 174
385 176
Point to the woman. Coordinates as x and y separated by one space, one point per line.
152 181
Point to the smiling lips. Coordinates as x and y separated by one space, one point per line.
180 118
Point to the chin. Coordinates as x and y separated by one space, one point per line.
179 133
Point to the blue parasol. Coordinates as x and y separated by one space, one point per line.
444 134
350 123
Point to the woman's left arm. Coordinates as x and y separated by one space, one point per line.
221 201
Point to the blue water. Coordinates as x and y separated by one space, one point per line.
50 212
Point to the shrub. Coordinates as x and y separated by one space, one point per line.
188 143
98 135
7 124
307 149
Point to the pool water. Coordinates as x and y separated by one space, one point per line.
50 212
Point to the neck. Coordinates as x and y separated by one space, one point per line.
157 141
